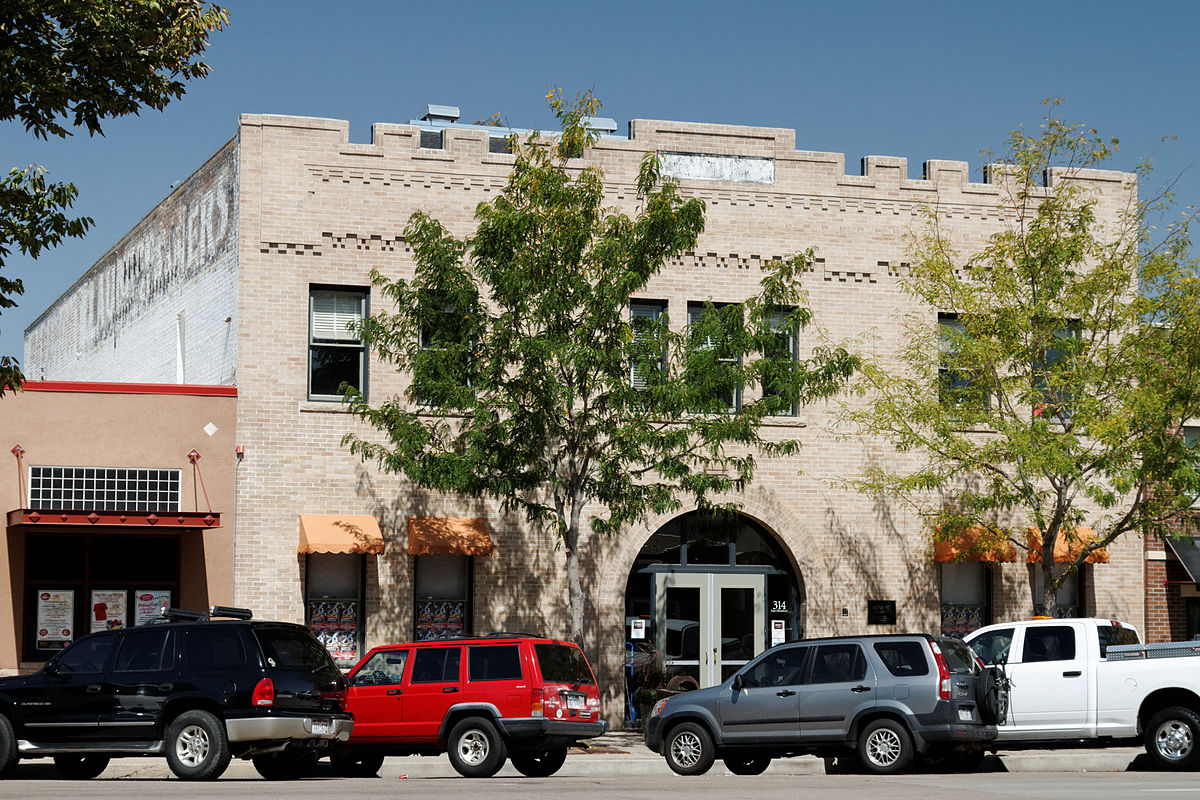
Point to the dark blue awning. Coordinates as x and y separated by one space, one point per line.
1188 551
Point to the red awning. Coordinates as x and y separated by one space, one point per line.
43 518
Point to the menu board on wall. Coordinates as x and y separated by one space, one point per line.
55 619
335 624
439 619
148 602
108 609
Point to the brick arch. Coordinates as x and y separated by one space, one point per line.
795 538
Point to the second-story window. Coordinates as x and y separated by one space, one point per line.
713 356
335 353
957 386
645 317
781 353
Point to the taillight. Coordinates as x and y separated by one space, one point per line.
264 693
537 696
944 692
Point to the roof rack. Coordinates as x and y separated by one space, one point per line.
230 612
170 614
511 635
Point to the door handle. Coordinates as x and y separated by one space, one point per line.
1075 673
93 688
785 693
394 691
860 689
166 687
449 689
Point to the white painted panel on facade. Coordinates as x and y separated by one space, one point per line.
707 167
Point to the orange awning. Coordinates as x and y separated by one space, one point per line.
1067 547
465 536
975 543
339 533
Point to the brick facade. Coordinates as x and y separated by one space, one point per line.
312 208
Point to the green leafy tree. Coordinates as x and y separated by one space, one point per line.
531 382
71 64
1055 396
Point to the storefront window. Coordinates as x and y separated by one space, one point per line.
965 591
1068 598
442 602
335 604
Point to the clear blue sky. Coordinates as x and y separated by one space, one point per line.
923 80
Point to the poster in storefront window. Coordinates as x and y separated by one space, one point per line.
335 624
440 619
108 610
147 603
55 618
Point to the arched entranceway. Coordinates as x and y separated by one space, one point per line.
706 594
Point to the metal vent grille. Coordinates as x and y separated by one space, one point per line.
103 489
498 144
432 140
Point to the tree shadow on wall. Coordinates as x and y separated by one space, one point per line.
520 587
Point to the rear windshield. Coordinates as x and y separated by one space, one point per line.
562 663
292 648
958 655
1111 635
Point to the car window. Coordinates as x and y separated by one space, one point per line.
992 647
958 656
903 659
836 663
213 648
494 663
145 649
563 663
783 666
286 647
1049 643
1111 635
436 665
88 655
382 669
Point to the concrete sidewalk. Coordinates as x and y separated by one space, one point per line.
624 753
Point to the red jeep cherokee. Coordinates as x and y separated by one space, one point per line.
479 700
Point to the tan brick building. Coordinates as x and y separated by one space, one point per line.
250 266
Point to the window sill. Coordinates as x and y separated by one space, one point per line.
323 407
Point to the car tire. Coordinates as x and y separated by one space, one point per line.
987 696
539 763
885 747
475 748
80 768
1172 738
689 749
8 748
197 746
357 765
286 766
747 766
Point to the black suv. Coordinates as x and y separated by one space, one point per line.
196 690
869 702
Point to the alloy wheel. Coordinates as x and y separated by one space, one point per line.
192 745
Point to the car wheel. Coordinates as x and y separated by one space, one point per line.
1173 738
689 749
357 765
476 749
885 747
197 747
540 763
747 766
286 766
80 768
8 748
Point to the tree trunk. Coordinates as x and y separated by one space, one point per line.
574 585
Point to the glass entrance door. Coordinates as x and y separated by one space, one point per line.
707 624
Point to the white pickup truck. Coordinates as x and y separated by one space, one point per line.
1091 680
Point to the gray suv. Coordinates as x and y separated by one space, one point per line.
874 702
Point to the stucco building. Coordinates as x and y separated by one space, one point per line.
245 274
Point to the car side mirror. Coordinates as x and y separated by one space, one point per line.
738 683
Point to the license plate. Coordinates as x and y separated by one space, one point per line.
965 715
575 701
320 726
